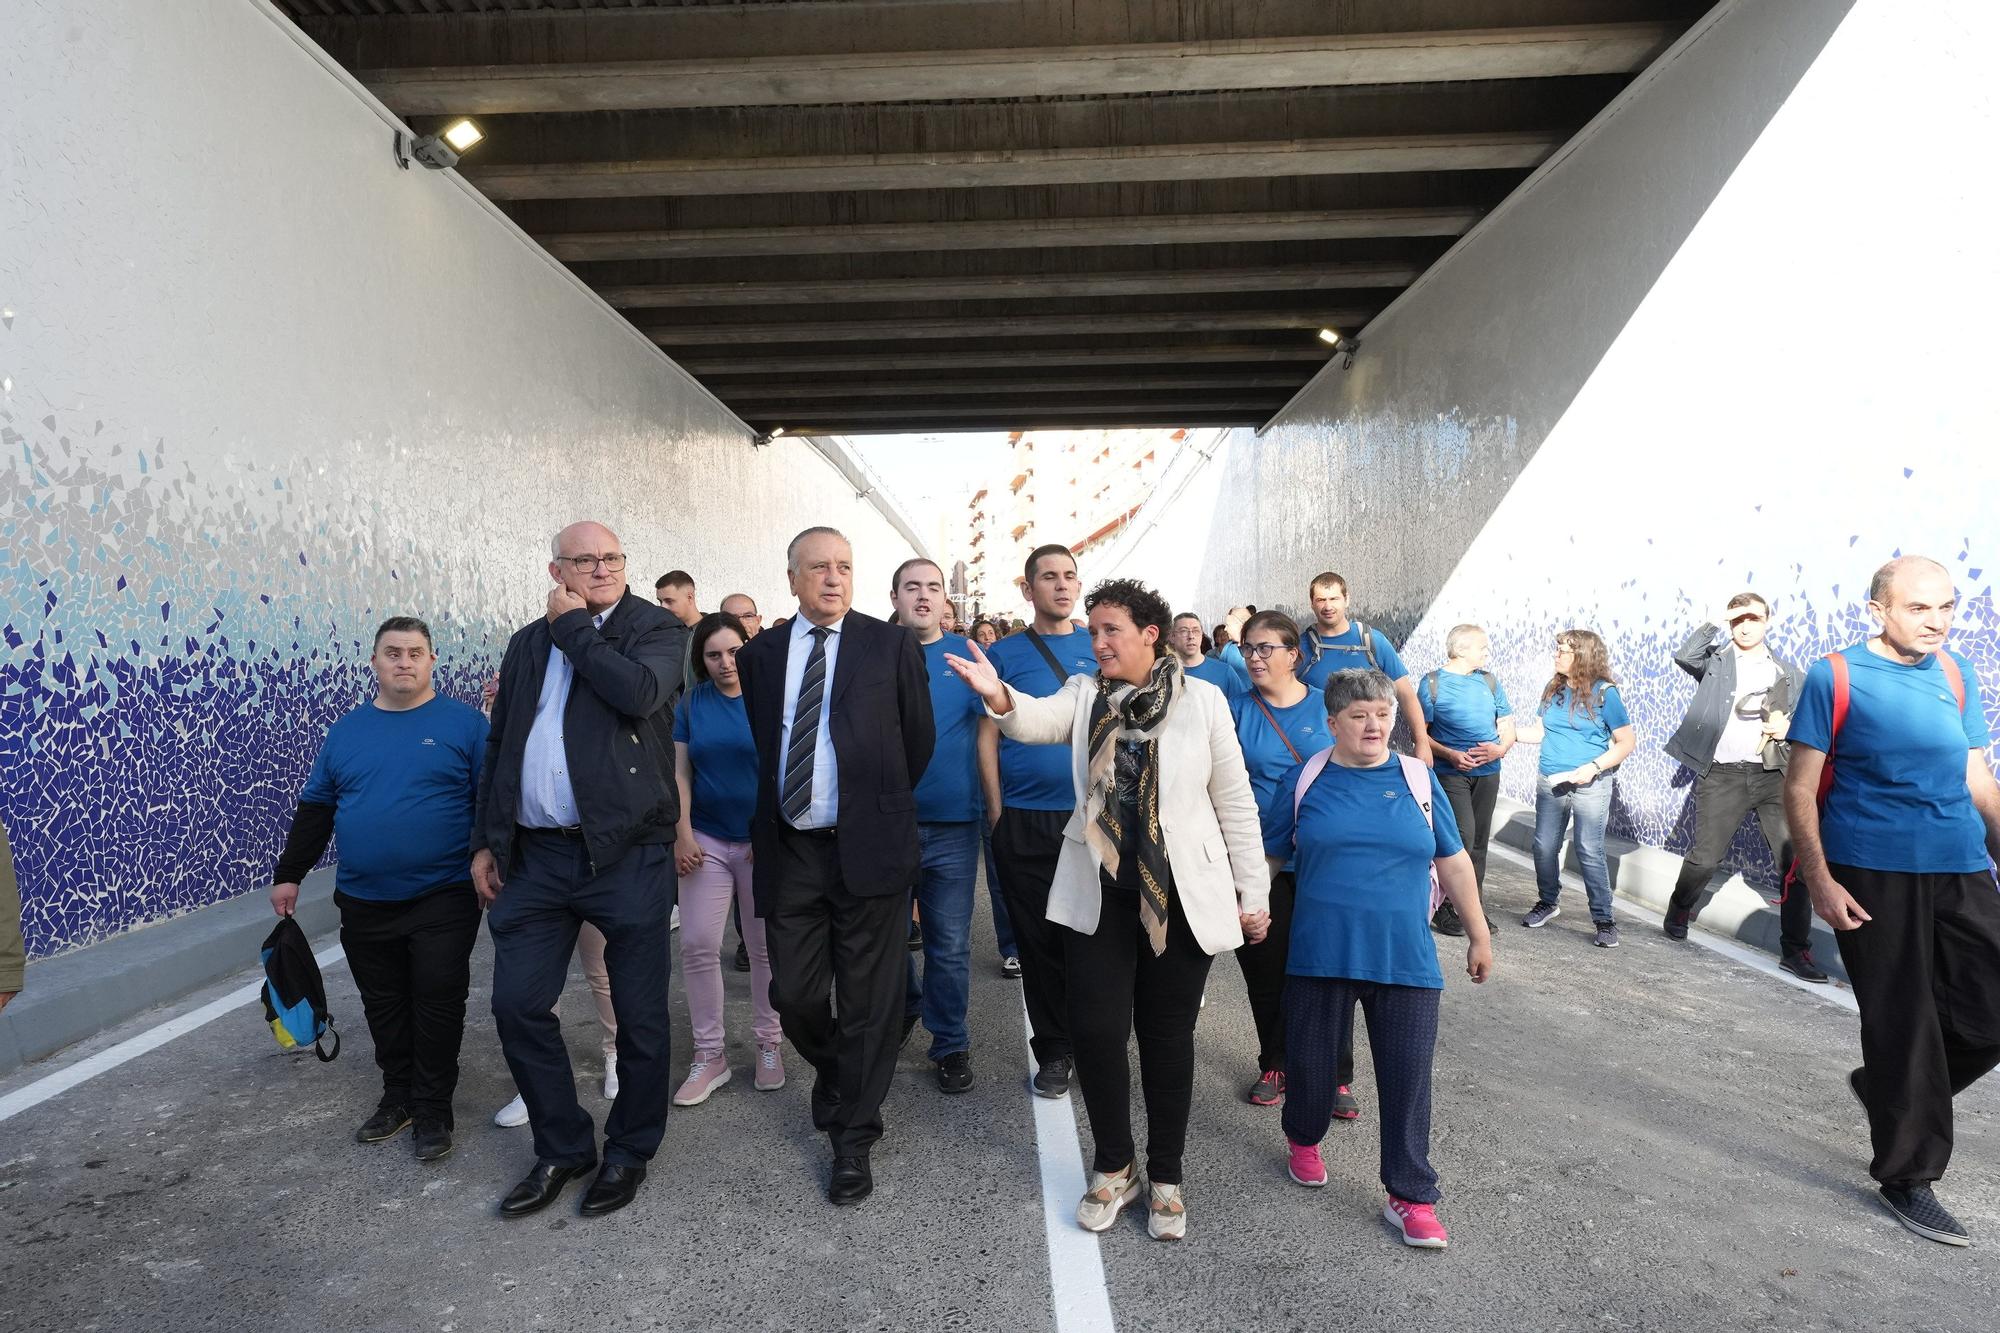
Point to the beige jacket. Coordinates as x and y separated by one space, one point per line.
1208 813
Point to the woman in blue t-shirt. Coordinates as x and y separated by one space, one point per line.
1467 714
1585 734
1279 722
1366 836
715 763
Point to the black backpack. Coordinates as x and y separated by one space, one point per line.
295 993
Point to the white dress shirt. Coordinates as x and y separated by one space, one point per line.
547 798
824 811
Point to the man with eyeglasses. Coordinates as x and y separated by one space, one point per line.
576 821
1733 740
1185 639
740 605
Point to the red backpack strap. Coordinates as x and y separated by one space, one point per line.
1952 676
1837 664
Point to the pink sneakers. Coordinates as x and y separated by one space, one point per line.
1418 1223
708 1073
1306 1165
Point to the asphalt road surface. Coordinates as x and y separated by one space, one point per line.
1656 1137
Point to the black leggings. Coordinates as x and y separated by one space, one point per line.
1472 801
1117 986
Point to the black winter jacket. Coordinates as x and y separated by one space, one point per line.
617 728
1710 658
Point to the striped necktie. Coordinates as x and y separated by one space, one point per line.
795 794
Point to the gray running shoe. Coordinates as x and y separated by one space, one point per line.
1540 915
1918 1209
1607 935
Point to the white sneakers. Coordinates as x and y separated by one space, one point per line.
1105 1196
513 1115
611 1078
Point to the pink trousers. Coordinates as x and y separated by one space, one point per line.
724 874
590 948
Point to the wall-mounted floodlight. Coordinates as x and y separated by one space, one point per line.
439 151
1347 347
768 436
1331 337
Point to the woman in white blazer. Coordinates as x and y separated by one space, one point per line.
1161 868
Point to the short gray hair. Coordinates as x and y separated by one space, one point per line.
792 551
1356 685
1458 637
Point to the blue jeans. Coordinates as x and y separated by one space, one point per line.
1588 808
950 868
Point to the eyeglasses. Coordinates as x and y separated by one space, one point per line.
584 564
1261 651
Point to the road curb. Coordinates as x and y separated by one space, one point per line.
1645 875
80 993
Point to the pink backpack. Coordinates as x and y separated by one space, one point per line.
1415 775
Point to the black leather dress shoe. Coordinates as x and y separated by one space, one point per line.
616 1185
539 1188
852 1181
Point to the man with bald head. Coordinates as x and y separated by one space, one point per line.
840 711
576 821
1896 846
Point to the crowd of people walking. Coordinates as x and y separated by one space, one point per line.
1143 795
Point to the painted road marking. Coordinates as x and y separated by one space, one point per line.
22 1099
1077 1294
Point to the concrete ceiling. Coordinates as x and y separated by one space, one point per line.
922 215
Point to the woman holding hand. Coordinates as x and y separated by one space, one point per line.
1368 829
1160 870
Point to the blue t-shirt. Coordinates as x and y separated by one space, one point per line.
716 730
949 790
402 786
1464 714
1899 800
1230 679
1264 752
1572 737
1339 652
1363 904
1037 777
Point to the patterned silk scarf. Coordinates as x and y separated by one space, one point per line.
1137 716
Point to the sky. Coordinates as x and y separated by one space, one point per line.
926 472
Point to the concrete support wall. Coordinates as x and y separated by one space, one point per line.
259 388
1739 335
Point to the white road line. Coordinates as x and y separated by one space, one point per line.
1832 992
1077 1294
54 1085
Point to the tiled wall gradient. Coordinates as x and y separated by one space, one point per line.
252 402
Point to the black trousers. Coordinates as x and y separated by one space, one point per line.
412 963
837 965
1926 971
550 892
1117 987
1472 800
1722 797
1026 844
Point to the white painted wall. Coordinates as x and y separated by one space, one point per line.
252 372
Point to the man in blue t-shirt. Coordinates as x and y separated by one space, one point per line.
1185 639
947 829
1898 858
396 782
1335 643
1029 798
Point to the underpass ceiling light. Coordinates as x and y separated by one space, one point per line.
768 436
1331 337
441 150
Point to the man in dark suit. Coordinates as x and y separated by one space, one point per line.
576 819
840 709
